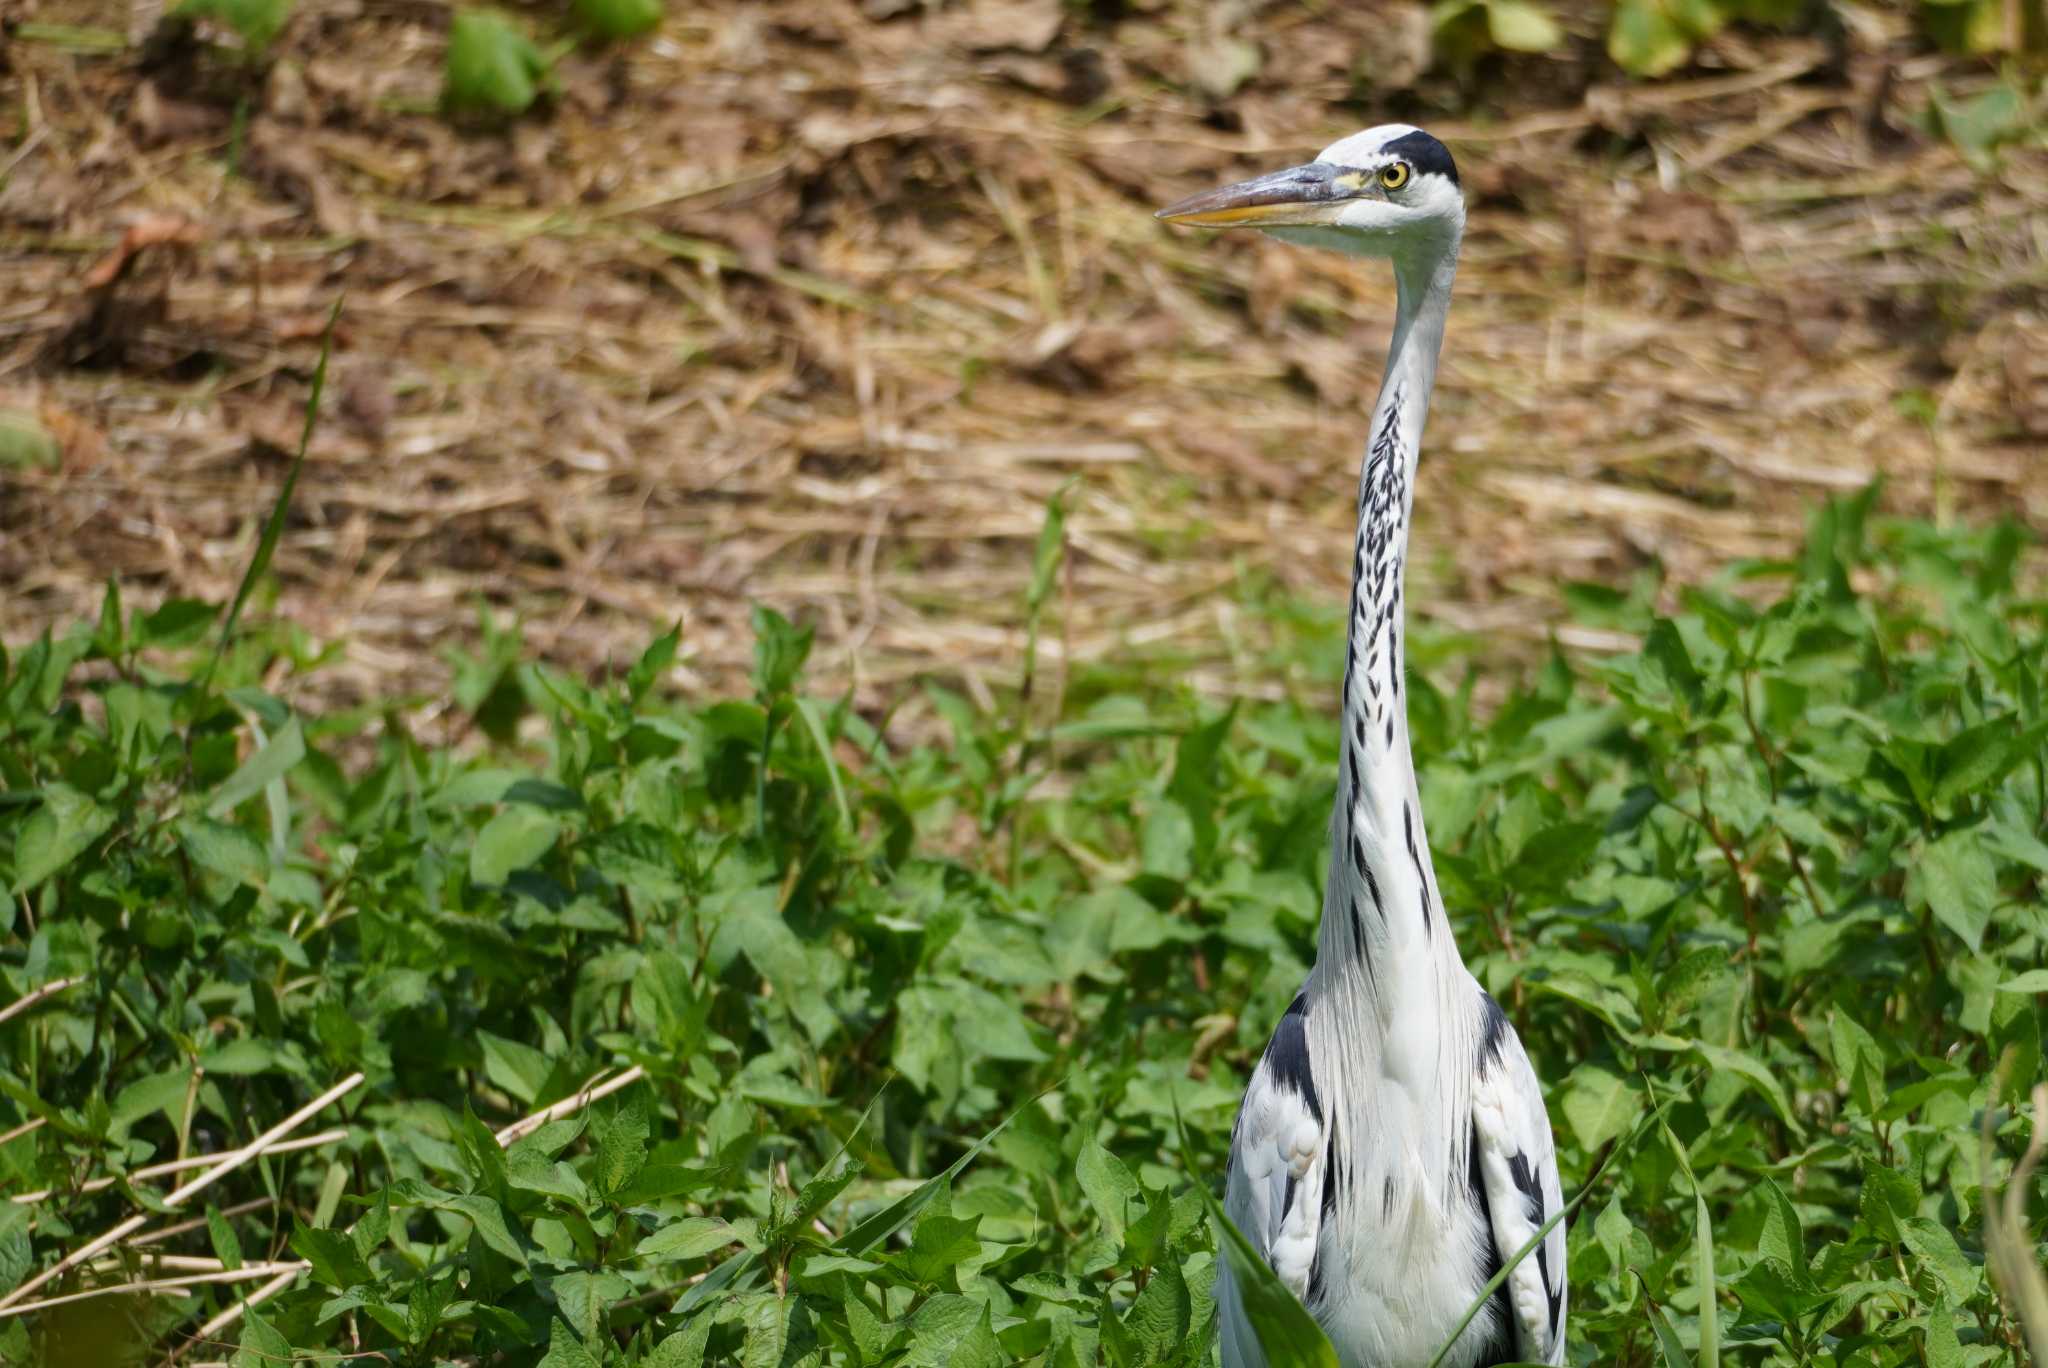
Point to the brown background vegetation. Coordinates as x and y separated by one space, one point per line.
816 303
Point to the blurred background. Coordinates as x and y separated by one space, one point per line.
650 314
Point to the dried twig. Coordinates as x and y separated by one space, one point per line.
169 1166
508 1136
221 1168
37 994
568 1106
246 1273
23 1129
177 1228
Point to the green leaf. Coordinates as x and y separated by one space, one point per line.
1108 1185
622 1146
26 444
488 1218
780 650
518 1068
1782 1237
164 1092
332 1254
1643 40
978 1348
611 19
221 1236
1599 1105
1940 1255
1858 1061
938 1247
56 833
1751 1071
260 1344
685 1348
240 1056
1668 1343
1161 1316
1519 26
1956 878
511 841
1704 1277
690 1238
565 1350
280 507
493 68
1943 1348
766 1317
1888 1198
258 22
274 759
228 851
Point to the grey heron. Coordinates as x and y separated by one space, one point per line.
1392 1148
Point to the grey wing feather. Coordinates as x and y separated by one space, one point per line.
1518 1165
1277 1154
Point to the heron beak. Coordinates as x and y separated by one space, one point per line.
1301 195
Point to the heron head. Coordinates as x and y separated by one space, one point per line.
1379 193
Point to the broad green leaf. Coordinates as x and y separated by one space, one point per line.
690 1238
1520 26
56 833
1942 1347
1108 1185
1599 1105
565 1350
516 1067
272 761
492 66
1956 878
511 841
622 1146
221 1236
2033 981
1935 1246
260 1345
1751 1071
228 851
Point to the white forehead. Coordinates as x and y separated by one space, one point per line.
1363 149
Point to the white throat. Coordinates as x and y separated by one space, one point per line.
1382 919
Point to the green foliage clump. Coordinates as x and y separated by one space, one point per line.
493 67
256 22
918 1018
612 19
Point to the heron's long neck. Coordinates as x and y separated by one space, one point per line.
1383 934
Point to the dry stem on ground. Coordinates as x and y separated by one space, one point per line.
795 304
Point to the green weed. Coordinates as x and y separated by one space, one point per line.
915 1017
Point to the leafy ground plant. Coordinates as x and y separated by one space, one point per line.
899 1027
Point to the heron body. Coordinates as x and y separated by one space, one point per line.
1392 1149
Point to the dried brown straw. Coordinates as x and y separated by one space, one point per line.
221 1168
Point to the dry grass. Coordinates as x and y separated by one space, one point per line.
800 305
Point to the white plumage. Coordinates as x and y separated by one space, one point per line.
1392 1149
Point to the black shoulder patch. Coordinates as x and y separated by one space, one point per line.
1425 154
1287 1055
1493 1030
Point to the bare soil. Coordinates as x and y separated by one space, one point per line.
815 304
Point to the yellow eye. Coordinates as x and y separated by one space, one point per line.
1395 176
